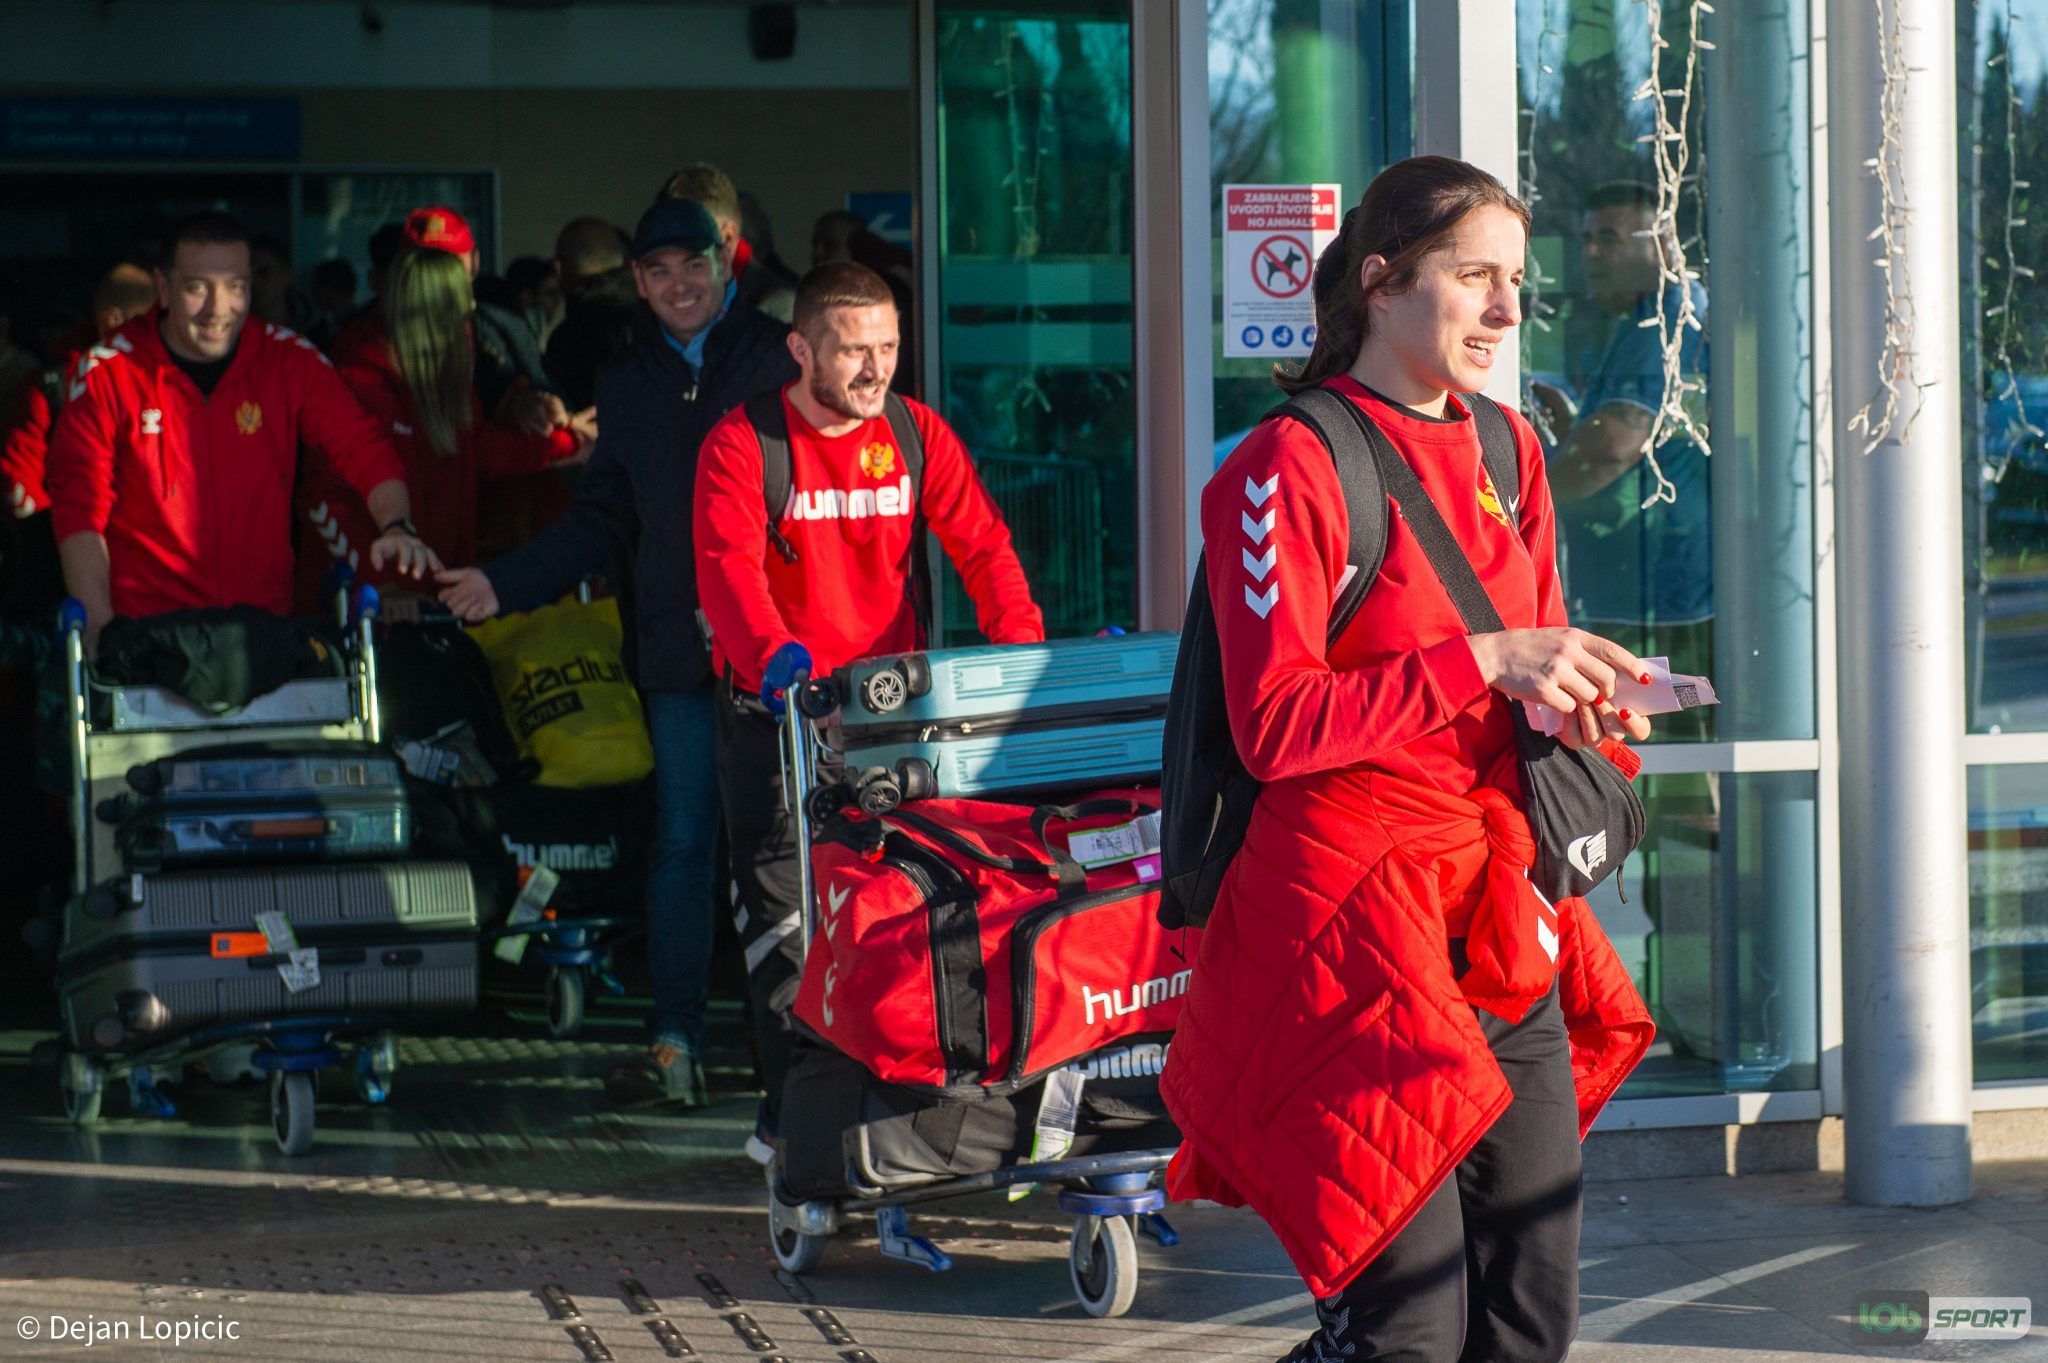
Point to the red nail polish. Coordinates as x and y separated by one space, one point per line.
1644 679
1624 714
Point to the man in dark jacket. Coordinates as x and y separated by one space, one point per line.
702 356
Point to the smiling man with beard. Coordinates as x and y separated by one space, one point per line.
700 354
806 580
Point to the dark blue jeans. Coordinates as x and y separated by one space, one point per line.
681 874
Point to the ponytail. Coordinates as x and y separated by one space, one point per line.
1409 211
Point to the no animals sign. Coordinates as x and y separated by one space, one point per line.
1272 237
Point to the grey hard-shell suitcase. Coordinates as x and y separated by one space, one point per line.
150 958
237 804
999 719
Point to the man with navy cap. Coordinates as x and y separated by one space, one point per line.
699 354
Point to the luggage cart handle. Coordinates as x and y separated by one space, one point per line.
71 623
806 700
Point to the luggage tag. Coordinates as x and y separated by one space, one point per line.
536 888
1136 841
1059 1111
301 970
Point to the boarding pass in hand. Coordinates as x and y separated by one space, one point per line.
1665 693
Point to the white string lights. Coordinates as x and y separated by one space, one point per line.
2020 428
1677 311
1536 309
1895 215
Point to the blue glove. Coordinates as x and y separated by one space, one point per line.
784 666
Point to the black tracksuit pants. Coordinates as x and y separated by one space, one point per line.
763 843
1488 1270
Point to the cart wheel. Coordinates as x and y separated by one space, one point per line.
567 989
291 1110
83 1085
1109 1283
795 1250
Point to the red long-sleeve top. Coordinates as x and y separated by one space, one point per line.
1400 692
335 524
849 518
194 493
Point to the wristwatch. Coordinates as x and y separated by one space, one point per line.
401 524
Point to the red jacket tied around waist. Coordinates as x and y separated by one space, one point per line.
1328 1070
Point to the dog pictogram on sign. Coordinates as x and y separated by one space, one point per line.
1282 266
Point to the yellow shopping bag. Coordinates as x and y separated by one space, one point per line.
562 680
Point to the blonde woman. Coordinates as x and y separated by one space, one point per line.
418 380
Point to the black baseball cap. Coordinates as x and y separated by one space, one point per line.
683 223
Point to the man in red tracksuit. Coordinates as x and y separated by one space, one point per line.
834 584
170 470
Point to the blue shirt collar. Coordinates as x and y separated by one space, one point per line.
692 350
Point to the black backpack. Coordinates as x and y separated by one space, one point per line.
1205 790
778 474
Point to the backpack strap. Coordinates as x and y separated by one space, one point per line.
917 574
1497 450
778 472
1365 498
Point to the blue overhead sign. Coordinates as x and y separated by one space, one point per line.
100 129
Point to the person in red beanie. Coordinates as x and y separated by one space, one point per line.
509 375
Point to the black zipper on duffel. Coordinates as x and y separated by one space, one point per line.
953 937
1080 717
1024 959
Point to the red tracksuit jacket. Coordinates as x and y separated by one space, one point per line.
194 493
1327 1070
849 518
335 524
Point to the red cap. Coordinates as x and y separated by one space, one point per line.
439 228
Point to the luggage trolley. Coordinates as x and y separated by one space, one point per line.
116 728
1113 1197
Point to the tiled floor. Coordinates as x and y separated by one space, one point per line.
497 1209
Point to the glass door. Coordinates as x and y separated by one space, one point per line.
1026 221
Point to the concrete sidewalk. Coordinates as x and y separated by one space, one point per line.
439 1227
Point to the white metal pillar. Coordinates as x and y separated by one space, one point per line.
1465 107
1174 373
1898 526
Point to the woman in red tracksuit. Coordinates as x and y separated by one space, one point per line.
416 375
1391 1046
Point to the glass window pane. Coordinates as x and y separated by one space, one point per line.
2009 921
1718 932
1035 285
2005 324
1708 561
1300 92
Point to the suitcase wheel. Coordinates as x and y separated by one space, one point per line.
1102 1258
876 791
917 779
906 679
291 1110
568 993
83 1085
